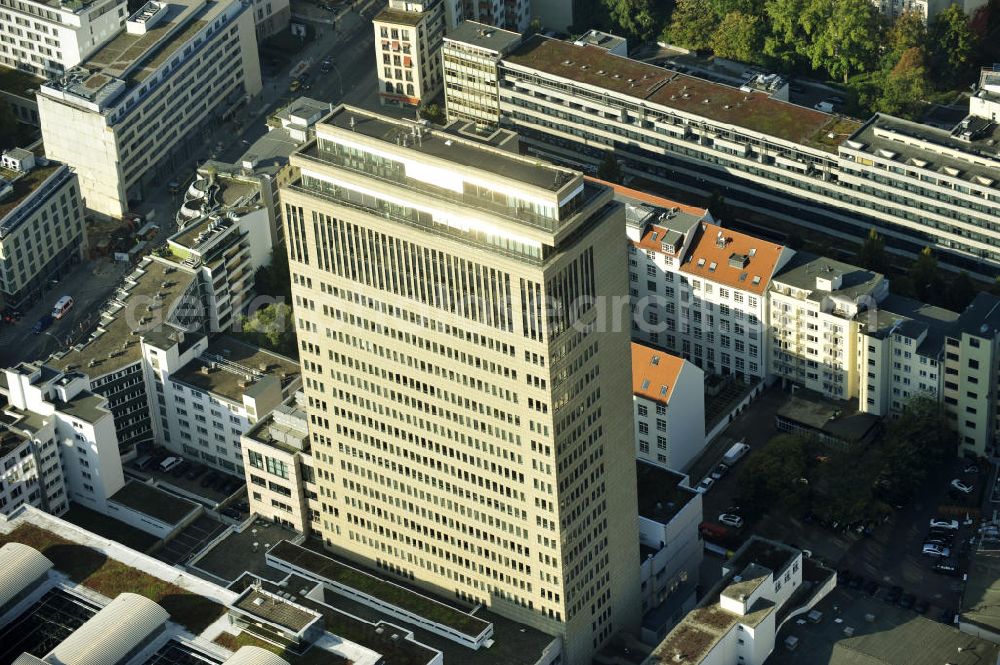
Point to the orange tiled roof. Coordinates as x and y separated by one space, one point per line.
648 242
709 259
654 372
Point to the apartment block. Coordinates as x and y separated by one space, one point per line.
30 472
53 407
815 307
439 383
738 619
918 185
209 391
119 116
408 38
900 354
156 294
700 291
925 9
972 374
48 37
41 224
668 398
271 17
471 56
281 474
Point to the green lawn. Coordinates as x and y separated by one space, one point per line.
313 656
109 577
110 528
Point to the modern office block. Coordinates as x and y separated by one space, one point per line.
408 39
47 37
468 408
471 58
133 104
41 224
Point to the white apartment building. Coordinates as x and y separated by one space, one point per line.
925 9
815 307
700 291
470 57
408 38
48 37
668 399
900 354
208 392
58 407
41 224
30 472
737 620
139 99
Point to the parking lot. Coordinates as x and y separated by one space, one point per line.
212 487
190 540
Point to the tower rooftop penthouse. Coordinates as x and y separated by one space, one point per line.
452 184
751 110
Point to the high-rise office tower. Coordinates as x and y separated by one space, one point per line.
468 390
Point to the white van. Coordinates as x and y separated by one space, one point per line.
62 306
169 463
737 451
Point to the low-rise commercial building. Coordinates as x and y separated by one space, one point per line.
408 38
136 102
210 391
48 37
41 224
763 584
53 407
668 398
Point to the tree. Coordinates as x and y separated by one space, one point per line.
773 476
609 169
952 45
906 87
271 327
786 33
434 113
925 275
691 25
739 37
872 253
960 292
844 36
638 19
274 279
909 31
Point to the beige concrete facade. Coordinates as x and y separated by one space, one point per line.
465 438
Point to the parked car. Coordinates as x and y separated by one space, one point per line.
871 588
921 606
719 471
170 463
945 534
947 567
728 519
971 468
294 85
844 577
208 480
894 593
181 469
42 324
858 582
964 488
63 305
824 106
944 524
735 453
907 601
935 550
705 485
195 472
220 484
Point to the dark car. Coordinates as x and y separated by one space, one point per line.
231 513
844 577
195 472
947 567
858 582
894 593
907 601
209 480
181 469
921 606
871 588
220 484
42 324
947 617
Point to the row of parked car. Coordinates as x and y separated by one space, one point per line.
940 538
179 467
732 456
